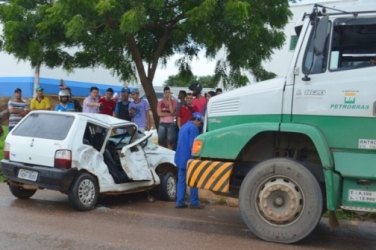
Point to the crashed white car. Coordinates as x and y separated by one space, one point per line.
84 155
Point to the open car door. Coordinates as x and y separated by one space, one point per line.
134 162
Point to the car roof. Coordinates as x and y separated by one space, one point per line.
106 119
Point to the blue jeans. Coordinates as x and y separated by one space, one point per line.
167 134
181 190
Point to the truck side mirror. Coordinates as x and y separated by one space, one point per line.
321 36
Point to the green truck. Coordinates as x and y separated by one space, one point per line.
294 147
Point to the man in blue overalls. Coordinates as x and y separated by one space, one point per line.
187 133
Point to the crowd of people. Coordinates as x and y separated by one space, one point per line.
173 112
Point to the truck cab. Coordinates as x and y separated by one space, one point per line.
292 147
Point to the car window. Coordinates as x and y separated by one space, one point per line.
94 135
353 43
44 125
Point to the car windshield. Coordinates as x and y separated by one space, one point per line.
45 125
122 135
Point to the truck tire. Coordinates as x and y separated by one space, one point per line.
83 194
280 201
167 188
20 192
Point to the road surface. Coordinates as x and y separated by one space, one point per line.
46 221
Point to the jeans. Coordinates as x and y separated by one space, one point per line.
167 134
181 190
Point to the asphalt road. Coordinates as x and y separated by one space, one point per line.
131 222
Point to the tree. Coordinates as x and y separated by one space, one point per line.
130 36
23 37
180 80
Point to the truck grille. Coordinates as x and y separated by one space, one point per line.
224 107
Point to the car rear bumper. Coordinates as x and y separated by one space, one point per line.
48 177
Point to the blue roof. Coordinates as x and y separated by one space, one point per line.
50 86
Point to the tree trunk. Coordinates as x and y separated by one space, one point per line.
146 82
36 79
152 98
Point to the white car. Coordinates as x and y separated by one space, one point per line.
84 155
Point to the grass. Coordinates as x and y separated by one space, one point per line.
2 139
351 215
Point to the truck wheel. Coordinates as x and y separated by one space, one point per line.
280 200
20 192
167 188
83 194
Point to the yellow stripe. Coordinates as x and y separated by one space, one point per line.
191 164
223 179
207 171
197 171
214 176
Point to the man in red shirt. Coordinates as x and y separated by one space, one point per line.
107 105
186 110
199 101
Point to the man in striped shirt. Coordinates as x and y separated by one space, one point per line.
17 109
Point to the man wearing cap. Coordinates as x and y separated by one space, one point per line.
107 105
40 102
138 110
187 133
17 109
122 107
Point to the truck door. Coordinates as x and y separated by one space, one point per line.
335 91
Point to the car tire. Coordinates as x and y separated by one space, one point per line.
84 192
20 192
280 200
167 187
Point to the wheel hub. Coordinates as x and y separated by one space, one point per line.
280 201
171 187
86 192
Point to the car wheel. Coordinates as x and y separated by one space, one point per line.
83 194
20 192
280 200
167 188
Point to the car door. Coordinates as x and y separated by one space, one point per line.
134 161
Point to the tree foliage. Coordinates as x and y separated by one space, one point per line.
134 36
181 80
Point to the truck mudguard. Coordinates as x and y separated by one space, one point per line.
317 138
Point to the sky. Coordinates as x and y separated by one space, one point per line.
200 66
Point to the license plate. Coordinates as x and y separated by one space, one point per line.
27 174
362 196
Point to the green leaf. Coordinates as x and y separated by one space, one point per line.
76 27
132 20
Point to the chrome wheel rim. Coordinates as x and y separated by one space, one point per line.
86 192
171 187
